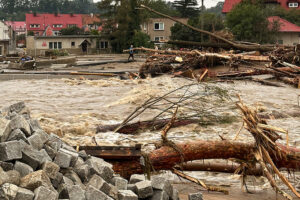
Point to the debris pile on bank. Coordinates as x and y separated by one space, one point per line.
280 64
36 165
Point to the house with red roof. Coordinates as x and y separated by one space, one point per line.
288 33
18 26
37 23
286 4
91 22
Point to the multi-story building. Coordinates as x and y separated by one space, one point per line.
37 23
286 4
18 26
7 39
159 29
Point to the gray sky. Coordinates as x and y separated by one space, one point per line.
207 3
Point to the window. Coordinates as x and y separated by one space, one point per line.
158 38
145 26
103 45
34 26
73 44
36 33
293 5
57 25
72 25
55 45
159 26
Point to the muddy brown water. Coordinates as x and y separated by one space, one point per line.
73 108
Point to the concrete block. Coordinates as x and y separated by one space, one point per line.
57 180
6 166
161 183
31 156
37 140
144 189
92 194
34 125
18 122
23 168
127 195
14 108
54 142
67 181
10 151
120 183
196 196
68 147
76 193
96 181
136 178
74 177
100 167
109 189
9 191
74 156
83 172
50 151
35 180
51 169
63 159
175 195
45 155
17 134
159 195
42 193
132 187
12 177
24 194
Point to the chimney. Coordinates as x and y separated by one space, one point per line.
92 15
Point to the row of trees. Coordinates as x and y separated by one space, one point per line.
248 21
16 9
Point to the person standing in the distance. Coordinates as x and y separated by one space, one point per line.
131 53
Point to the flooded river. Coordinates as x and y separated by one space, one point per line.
73 108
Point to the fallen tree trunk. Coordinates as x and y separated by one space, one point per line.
202 44
134 128
218 167
166 157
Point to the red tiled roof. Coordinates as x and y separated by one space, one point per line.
285 26
16 24
229 4
45 20
90 19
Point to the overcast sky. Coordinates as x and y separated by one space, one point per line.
207 3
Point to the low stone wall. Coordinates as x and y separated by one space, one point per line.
60 60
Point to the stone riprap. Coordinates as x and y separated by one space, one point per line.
36 165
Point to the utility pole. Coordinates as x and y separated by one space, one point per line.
202 18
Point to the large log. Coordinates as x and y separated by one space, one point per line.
134 128
166 157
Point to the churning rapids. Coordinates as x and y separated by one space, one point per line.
73 108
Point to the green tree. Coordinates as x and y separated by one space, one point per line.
212 23
187 8
74 30
248 22
122 20
141 39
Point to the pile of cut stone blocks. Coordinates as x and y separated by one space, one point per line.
40 166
